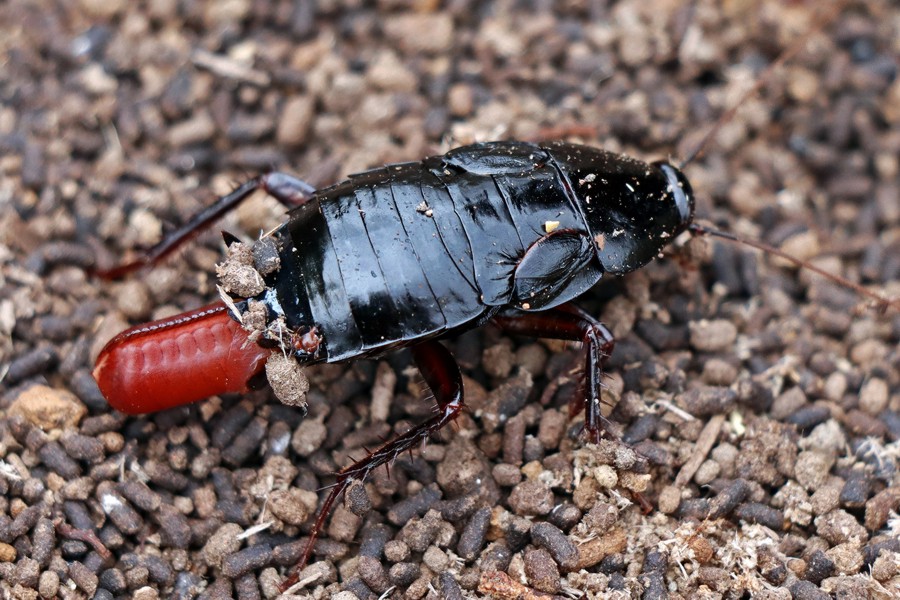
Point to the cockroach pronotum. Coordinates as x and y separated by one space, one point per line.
402 256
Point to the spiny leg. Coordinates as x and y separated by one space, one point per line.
441 373
288 190
568 322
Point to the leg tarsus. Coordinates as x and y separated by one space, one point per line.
568 322
287 189
441 373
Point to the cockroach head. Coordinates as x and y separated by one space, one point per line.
633 209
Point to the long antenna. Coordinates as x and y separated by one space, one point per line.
883 303
764 77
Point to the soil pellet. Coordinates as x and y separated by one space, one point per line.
414 506
564 516
35 362
757 512
472 538
559 546
43 540
54 456
140 495
165 476
373 574
249 559
24 522
728 499
652 576
808 417
373 538
85 579
245 443
113 580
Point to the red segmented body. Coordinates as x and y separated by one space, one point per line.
175 361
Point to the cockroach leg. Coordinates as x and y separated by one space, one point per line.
568 322
287 189
443 377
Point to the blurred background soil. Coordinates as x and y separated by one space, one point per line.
759 407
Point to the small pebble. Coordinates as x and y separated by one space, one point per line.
83 577
531 498
560 547
472 538
541 571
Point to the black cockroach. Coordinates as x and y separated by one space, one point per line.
403 255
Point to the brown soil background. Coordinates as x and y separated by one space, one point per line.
780 392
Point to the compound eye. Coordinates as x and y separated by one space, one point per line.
680 189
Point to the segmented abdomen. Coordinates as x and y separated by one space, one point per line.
413 250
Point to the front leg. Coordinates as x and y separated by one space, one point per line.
568 322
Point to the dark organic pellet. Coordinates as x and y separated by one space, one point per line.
82 447
24 522
85 387
165 477
358 587
818 567
247 588
43 541
73 549
565 516
404 573
807 590
230 424
105 423
158 570
356 499
728 499
140 495
856 490
612 564
54 456
415 506
472 538
174 526
652 576
77 515
808 417
514 440
246 443
641 429
37 361
757 512
541 571
373 540
891 420
84 578
496 557
249 559
449 589
113 580
372 573
120 511
560 547
457 509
